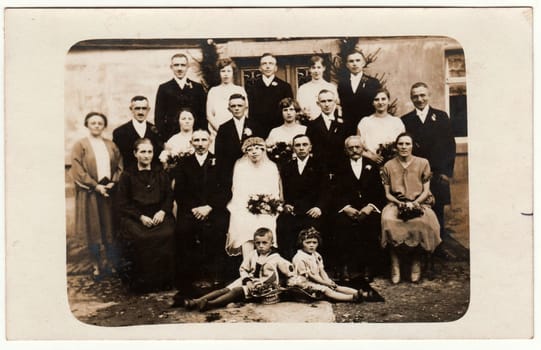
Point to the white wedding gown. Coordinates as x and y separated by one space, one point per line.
249 179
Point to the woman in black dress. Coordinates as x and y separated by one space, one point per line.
147 224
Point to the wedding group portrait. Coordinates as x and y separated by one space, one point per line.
267 179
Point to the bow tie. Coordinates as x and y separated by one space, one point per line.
330 117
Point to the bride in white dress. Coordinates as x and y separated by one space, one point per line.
253 174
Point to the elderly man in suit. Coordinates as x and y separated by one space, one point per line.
125 135
434 140
356 91
305 187
231 135
202 217
359 198
327 132
265 95
176 94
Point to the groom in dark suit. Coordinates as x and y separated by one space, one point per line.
356 91
231 135
264 96
327 132
201 217
305 187
176 94
125 135
433 139
359 198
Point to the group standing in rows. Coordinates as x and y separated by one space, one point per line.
208 154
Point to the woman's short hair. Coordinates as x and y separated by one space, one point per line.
252 141
287 102
186 109
92 114
315 59
140 142
402 134
384 90
224 62
308 233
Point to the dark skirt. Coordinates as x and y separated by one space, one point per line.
147 255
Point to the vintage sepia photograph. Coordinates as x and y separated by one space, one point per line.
345 158
247 173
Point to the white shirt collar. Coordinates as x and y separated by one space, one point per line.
301 164
181 82
357 166
267 80
239 125
354 77
140 128
422 113
201 158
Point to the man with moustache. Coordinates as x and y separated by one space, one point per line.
433 134
265 95
176 94
125 135
359 198
201 217
305 187
356 91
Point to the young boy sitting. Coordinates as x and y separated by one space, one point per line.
259 276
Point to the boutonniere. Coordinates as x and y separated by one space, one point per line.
247 132
154 129
189 84
340 120
368 167
433 117
212 161
274 83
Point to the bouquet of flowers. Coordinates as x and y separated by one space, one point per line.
407 209
264 204
280 151
387 151
170 160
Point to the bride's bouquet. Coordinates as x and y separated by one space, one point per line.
265 204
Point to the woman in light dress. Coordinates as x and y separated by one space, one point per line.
379 128
180 142
218 97
291 127
406 180
253 174
308 92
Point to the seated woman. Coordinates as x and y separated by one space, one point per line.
147 226
379 128
408 223
95 169
179 144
